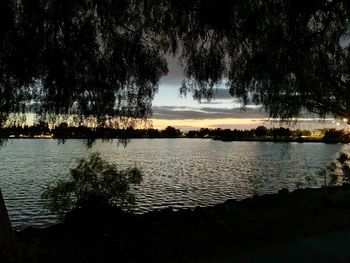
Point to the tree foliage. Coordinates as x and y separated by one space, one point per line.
336 136
85 58
341 168
103 59
288 55
93 180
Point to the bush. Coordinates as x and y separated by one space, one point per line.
338 171
336 136
92 179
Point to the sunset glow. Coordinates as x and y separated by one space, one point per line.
186 124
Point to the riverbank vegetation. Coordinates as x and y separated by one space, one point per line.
202 234
261 133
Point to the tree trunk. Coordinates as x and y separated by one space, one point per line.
8 248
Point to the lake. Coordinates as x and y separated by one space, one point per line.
177 172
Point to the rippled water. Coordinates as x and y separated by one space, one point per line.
178 172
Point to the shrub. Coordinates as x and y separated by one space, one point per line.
336 136
338 171
96 179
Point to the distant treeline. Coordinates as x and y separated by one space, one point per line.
261 133
63 131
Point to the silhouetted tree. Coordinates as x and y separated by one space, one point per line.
171 132
104 58
261 131
93 182
84 58
153 133
281 133
335 136
288 55
192 134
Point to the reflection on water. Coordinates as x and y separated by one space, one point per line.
178 172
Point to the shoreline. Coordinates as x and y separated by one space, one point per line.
215 139
190 235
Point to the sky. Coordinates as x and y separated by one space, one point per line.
171 109
185 113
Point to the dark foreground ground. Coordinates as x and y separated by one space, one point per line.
322 248
270 228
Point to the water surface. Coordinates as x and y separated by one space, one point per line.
178 172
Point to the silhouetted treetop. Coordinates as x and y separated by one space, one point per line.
287 55
105 58
90 58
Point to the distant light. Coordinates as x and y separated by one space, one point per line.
338 123
345 120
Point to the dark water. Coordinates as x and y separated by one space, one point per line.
178 172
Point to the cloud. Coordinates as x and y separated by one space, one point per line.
212 102
175 74
223 94
175 77
183 112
